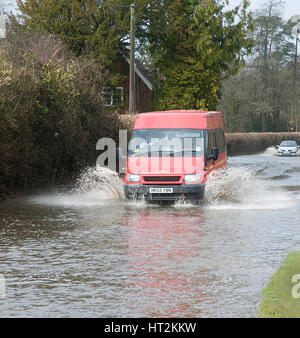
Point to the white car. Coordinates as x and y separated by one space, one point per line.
287 148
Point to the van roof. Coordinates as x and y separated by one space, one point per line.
190 119
167 112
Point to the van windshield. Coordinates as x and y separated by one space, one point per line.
167 143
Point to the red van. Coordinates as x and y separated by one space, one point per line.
171 153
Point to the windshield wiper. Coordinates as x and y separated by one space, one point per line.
186 151
163 153
149 153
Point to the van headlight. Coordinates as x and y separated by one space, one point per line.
133 178
192 178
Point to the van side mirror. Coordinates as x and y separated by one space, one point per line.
215 154
277 146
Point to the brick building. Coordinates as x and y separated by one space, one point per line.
144 86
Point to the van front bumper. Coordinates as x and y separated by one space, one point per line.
180 191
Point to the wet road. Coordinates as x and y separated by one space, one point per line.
88 253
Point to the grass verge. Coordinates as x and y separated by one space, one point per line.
279 296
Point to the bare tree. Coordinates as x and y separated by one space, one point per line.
259 98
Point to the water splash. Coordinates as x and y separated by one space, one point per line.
271 151
233 188
102 180
95 186
239 188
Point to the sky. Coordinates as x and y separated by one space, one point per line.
291 7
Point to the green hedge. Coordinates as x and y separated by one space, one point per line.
51 113
251 143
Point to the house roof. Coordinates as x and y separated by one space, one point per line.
144 73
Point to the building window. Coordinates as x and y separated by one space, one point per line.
113 96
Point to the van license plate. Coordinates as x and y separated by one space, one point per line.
161 190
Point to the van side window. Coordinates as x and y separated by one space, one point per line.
215 138
223 139
208 145
209 142
220 140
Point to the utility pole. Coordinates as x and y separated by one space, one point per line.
132 61
132 50
294 80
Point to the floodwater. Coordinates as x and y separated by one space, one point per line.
88 253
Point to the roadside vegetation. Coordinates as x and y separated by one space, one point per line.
278 300
51 113
195 44
251 143
264 95
209 56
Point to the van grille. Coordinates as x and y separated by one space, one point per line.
161 178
